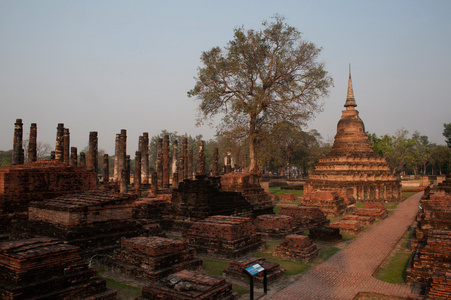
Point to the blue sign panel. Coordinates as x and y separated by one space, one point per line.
254 269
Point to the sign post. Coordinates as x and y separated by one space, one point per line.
251 272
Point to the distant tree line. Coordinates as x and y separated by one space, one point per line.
291 150
414 155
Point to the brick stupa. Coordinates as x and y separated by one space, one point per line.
352 165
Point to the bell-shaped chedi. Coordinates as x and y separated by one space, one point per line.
352 165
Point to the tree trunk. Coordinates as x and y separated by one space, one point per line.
253 165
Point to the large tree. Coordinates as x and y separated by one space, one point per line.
260 79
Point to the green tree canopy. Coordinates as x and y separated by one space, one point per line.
447 133
260 79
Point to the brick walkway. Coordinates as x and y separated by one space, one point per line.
350 270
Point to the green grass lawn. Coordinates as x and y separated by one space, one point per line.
214 267
393 269
277 191
408 194
124 291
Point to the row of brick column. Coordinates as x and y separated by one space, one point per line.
182 166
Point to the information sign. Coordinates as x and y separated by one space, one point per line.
254 269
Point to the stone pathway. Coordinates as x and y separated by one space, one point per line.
350 270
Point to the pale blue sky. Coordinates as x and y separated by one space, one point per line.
107 65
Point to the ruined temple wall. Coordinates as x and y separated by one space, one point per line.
45 176
362 191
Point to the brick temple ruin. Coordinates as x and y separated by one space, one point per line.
298 248
224 237
95 221
233 194
152 258
187 285
62 204
22 183
116 217
46 268
352 165
431 245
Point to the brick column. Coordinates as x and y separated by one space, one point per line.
145 158
160 162
175 156
123 184
122 157
215 165
137 175
66 146
106 170
73 156
181 167
200 166
166 161
185 157
92 154
59 148
154 182
127 165
175 180
82 159
190 163
116 173
32 143
17 158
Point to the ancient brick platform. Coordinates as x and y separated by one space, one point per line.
198 199
44 179
376 210
224 236
152 258
298 248
435 214
248 185
326 233
348 226
435 255
288 198
332 203
149 208
306 217
236 267
95 221
432 243
276 226
45 268
441 285
186 285
367 220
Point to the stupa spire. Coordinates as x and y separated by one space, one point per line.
350 100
